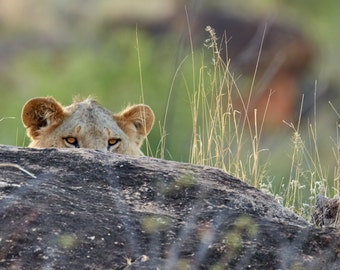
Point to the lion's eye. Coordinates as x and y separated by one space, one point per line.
113 142
72 141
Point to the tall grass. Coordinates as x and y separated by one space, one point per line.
299 175
222 129
224 136
308 175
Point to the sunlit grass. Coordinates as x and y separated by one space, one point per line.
224 136
222 130
4 118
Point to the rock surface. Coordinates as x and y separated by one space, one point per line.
85 209
327 211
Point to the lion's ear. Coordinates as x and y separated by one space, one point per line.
41 112
136 121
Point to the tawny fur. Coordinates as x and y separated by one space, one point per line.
88 124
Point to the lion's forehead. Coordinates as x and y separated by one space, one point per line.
91 119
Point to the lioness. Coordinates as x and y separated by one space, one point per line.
86 124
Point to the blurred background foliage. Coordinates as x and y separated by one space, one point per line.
125 52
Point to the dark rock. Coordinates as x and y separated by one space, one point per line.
88 209
326 212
